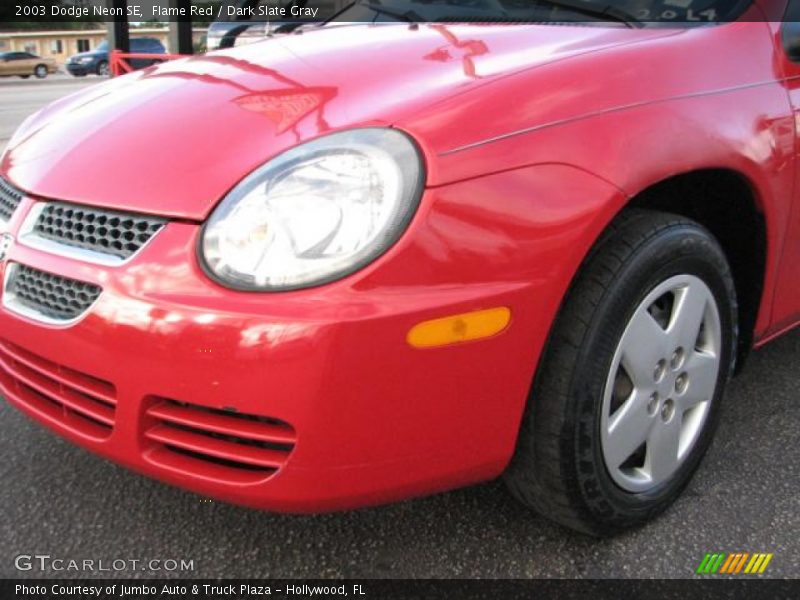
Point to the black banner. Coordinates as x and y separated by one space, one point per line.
373 589
77 13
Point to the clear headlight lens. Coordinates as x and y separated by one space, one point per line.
315 213
85 59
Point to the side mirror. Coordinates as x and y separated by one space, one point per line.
790 38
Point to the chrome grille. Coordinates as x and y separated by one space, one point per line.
47 297
10 197
104 232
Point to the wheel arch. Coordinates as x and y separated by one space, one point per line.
727 203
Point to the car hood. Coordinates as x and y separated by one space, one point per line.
173 139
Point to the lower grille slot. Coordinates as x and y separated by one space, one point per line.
226 444
58 392
79 381
216 460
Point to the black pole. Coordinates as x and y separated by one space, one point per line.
180 30
118 34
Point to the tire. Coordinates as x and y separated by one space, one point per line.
40 71
24 76
102 68
571 463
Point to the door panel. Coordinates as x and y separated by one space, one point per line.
26 65
19 65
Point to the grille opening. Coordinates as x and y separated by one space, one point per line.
43 387
220 461
229 412
98 388
107 232
72 419
43 381
49 295
68 412
231 444
233 439
10 197
89 419
39 396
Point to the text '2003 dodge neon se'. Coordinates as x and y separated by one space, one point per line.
371 261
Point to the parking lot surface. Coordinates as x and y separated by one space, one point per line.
21 97
59 500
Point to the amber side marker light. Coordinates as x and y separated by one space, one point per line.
459 328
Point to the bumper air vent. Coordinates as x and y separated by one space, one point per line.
79 402
223 444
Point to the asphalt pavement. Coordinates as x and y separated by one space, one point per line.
21 97
59 500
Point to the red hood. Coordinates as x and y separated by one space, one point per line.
174 139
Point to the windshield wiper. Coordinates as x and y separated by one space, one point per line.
408 16
607 12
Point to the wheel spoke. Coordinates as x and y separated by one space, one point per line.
702 369
687 315
628 429
662 449
643 345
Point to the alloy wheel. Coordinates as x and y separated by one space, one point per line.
661 383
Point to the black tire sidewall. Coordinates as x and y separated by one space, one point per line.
686 250
40 71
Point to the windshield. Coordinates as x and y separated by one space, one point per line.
238 18
636 11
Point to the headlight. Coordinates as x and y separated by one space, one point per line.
315 213
85 59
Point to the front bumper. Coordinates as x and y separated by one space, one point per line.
81 69
370 418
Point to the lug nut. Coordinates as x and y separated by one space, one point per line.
652 405
668 410
681 383
676 362
660 370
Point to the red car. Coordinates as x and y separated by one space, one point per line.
369 262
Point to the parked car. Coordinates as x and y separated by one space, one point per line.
96 61
25 64
370 262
